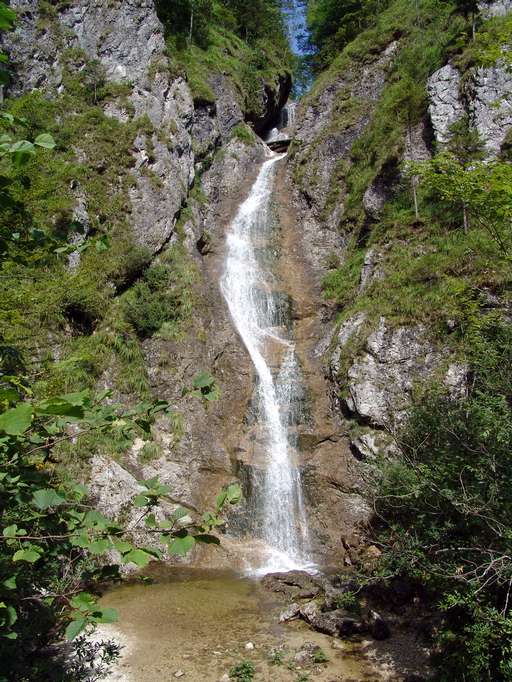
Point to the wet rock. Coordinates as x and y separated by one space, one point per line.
290 613
348 625
296 584
379 629
310 611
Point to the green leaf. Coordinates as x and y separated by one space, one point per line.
75 628
43 499
137 556
220 499
181 546
29 555
84 601
10 583
45 140
99 546
7 17
179 513
21 152
140 501
234 493
203 380
122 546
17 420
107 615
10 531
60 407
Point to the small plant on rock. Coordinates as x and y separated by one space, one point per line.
242 672
276 657
349 602
320 656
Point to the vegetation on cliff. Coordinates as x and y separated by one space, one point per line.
444 242
77 298
245 41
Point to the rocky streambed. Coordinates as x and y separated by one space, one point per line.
200 625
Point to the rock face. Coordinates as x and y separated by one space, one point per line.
445 106
127 39
484 94
381 379
490 104
485 97
375 364
179 145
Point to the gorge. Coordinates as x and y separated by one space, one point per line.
255 340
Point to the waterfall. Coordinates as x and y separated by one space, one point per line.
285 123
249 289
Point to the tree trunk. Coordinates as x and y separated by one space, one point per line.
191 29
415 196
465 217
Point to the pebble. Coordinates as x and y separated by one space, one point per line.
179 673
249 646
224 678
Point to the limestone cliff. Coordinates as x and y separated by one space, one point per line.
346 167
186 166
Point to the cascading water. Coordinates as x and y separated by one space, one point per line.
249 289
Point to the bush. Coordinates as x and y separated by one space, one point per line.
162 297
447 507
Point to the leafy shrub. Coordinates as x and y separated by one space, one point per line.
163 296
349 601
448 509
242 672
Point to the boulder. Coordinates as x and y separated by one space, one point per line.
379 629
295 584
306 654
290 613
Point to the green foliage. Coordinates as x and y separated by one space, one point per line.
229 46
481 191
276 657
243 672
244 133
335 23
320 656
448 509
349 601
489 46
53 536
162 297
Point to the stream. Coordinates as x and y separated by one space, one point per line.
202 623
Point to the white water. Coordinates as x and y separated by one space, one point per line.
247 287
285 124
